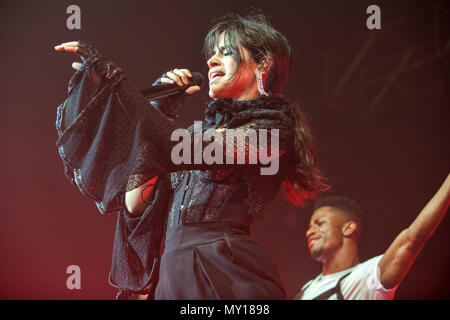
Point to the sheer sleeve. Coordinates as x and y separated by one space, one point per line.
111 139
108 135
137 245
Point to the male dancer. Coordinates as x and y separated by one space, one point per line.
333 236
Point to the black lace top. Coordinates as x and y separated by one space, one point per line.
112 140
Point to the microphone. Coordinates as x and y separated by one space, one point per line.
164 90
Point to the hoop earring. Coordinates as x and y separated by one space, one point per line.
260 84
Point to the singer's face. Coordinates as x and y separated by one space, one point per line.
227 82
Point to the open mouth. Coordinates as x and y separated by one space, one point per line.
215 75
311 241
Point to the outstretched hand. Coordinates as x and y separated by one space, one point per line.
70 47
84 50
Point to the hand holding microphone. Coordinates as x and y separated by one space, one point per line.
168 92
174 82
181 78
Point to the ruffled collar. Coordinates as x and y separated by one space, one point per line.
220 108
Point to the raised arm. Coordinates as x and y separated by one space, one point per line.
108 136
108 133
402 253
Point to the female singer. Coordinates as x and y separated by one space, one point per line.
117 149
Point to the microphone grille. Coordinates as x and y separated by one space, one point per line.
198 78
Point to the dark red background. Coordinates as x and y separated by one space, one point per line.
391 161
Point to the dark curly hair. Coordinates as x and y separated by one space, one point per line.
256 34
261 39
349 207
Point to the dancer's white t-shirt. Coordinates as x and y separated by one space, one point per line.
363 283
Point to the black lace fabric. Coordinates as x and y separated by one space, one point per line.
243 116
107 144
111 140
107 149
137 245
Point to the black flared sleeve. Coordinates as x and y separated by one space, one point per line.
109 135
112 140
137 245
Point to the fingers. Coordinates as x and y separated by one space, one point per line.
167 80
76 65
193 89
67 46
179 76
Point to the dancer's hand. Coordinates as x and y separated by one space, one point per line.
181 78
